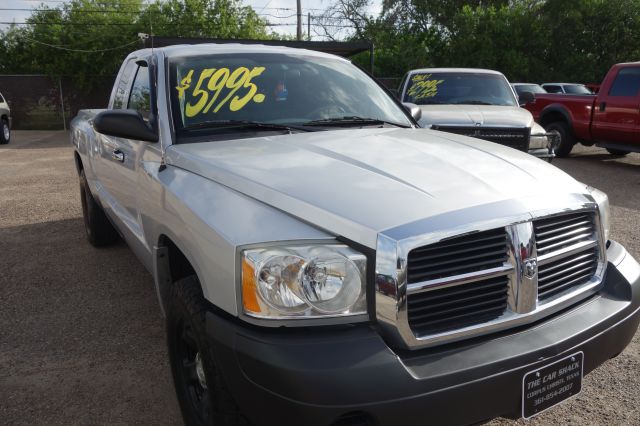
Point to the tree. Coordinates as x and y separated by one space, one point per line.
506 38
528 40
90 38
203 18
586 37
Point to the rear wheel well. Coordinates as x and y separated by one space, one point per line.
4 118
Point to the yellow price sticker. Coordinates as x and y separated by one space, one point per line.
217 81
423 87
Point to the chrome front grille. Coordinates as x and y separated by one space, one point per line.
566 273
558 232
517 138
459 286
567 253
456 256
458 306
444 305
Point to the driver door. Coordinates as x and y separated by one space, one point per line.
121 158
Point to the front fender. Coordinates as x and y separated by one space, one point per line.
209 222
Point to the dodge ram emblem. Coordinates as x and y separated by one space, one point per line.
530 268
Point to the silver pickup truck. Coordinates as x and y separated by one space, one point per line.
321 260
478 103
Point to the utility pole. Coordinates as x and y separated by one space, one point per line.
299 20
309 26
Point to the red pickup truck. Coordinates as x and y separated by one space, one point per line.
610 119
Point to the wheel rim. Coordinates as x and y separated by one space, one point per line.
5 131
191 369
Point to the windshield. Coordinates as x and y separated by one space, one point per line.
459 88
532 88
577 89
242 90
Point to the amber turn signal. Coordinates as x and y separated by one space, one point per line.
249 290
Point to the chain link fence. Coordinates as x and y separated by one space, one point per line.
39 102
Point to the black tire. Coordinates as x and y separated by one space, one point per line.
566 138
100 232
620 152
208 403
5 132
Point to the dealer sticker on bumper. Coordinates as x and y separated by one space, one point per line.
551 384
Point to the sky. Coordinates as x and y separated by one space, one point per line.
275 11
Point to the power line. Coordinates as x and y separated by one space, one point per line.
81 24
144 2
75 11
81 50
130 12
102 2
118 24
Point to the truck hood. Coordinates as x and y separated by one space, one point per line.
475 115
357 183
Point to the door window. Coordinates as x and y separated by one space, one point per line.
553 89
140 98
120 97
627 83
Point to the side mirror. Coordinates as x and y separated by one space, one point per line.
124 123
414 110
525 98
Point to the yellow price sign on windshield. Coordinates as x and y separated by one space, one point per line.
212 82
423 87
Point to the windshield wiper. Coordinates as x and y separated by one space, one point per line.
474 103
351 120
212 124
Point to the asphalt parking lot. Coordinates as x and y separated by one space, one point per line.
81 334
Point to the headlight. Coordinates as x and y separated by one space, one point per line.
603 206
538 141
303 282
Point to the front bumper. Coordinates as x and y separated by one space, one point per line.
315 376
548 152
545 153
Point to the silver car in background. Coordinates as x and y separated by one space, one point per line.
567 88
521 88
